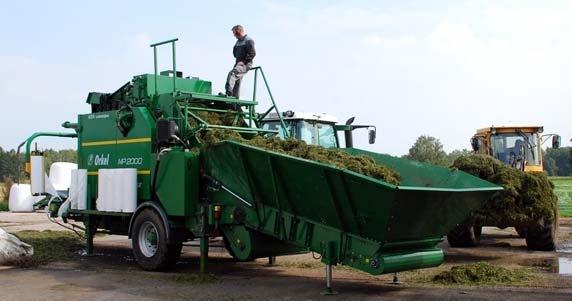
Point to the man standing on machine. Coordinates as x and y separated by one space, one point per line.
244 53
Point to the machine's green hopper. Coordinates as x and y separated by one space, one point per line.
347 217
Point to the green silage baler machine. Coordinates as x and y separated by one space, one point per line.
263 203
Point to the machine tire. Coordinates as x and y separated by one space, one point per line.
149 242
542 236
228 248
463 236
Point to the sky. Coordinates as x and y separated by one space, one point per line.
439 68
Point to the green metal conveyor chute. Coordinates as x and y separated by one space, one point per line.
321 207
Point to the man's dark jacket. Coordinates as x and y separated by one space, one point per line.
244 50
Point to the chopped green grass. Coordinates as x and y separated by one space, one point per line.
313 265
482 273
297 148
3 206
300 264
527 196
49 246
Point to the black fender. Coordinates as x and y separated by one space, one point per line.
159 209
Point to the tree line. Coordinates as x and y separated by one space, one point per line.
557 162
9 161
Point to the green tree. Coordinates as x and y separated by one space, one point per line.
561 158
550 166
429 150
452 156
64 155
8 164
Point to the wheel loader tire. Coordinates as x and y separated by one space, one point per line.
463 236
542 236
149 242
521 231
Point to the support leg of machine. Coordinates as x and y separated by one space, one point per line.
329 290
395 279
89 233
204 248
271 260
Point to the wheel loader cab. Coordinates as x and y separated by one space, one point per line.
520 150
519 147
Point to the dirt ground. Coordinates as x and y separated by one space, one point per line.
112 274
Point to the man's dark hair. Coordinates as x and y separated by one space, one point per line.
238 28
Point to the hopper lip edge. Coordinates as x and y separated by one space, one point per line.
475 189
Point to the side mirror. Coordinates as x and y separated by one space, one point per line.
556 140
350 121
372 134
475 144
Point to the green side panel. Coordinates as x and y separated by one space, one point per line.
396 216
178 183
144 85
102 145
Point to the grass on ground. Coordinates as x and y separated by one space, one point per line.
476 274
49 246
482 273
3 206
563 190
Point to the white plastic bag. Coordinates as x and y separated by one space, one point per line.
12 249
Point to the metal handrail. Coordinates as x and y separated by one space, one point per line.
273 107
154 46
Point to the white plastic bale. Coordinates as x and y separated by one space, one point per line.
116 182
60 175
73 192
117 190
81 191
20 198
100 203
37 173
129 189
49 187
12 249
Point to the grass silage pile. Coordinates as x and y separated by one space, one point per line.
482 273
298 148
527 197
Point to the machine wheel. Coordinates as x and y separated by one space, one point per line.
150 247
228 247
542 236
463 236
